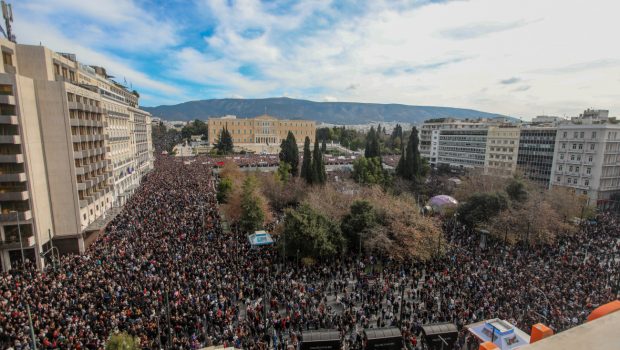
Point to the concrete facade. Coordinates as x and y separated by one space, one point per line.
56 173
261 134
587 157
502 150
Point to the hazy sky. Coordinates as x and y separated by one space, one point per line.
515 57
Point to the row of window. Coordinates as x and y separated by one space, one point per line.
573 181
579 146
575 169
575 157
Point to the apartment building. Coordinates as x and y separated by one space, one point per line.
535 157
502 149
260 134
587 156
58 179
458 143
25 212
128 131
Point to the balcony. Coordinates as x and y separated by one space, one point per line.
8 119
11 139
11 158
12 242
10 217
17 177
81 186
7 99
17 195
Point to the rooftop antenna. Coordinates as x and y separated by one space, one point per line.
7 14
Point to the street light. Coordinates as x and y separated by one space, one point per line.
19 233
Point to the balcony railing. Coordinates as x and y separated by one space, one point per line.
8 119
11 158
16 177
11 139
11 217
14 195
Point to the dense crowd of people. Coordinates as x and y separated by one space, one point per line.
166 272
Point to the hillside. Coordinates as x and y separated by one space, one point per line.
327 112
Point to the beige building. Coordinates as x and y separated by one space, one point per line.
24 196
502 150
61 170
261 134
128 136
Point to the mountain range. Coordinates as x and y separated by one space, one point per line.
342 113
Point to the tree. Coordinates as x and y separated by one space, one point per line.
306 166
284 172
516 190
360 220
410 165
369 171
225 143
372 144
481 207
323 147
252 214
289 153
318 165
310 233
223 190
122 341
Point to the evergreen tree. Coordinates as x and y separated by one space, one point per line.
252 214
318 165
410 165
306 165
368 150
225 143
289 153
324 147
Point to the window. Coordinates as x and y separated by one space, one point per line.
587 183
559 179
7 58
574 146
593 134
588 170
576 169
590 159
563 146
560 167
581 146
6 89
570 168
572 157
575 134
562 156
581 135
592 146
565 134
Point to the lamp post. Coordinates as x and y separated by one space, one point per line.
19 233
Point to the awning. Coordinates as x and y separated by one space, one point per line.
260 238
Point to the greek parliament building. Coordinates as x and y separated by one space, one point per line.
73 146
260 134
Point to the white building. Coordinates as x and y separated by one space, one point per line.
587 156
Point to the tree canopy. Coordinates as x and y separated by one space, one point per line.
252 214
306 166
310 233
369 171
225 143
289 153
410 165
122 341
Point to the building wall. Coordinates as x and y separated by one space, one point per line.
502 148
535 158
462 148
587 159
261 130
